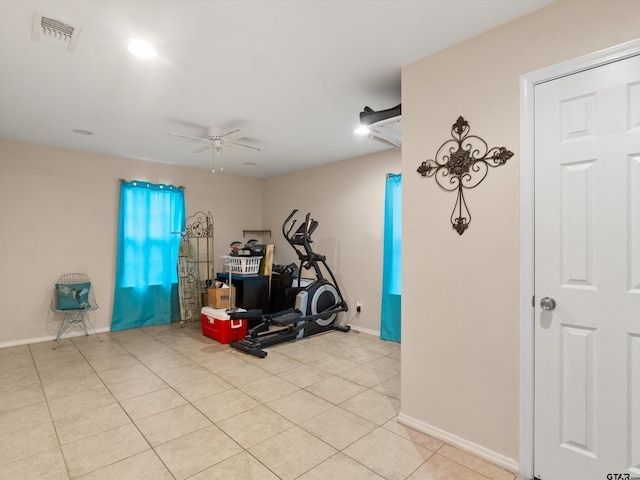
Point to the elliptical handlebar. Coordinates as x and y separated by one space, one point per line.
286 232
301 240
306 235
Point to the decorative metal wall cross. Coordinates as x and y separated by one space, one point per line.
460 163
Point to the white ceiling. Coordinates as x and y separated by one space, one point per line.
293 75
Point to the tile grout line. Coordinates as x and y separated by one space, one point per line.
125 412
293 424
338 451
196 408
46 399
239 388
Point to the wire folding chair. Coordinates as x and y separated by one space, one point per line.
74 296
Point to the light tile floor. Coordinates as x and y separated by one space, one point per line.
166 402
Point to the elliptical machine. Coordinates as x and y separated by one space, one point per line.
316 306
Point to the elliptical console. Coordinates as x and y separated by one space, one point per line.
316 306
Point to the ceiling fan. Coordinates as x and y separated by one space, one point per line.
217 140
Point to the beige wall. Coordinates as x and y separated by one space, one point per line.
460 355
347 200
59 212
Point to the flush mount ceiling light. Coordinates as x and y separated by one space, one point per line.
141 48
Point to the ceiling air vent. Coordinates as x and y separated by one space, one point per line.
55 33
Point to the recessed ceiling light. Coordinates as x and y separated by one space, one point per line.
361 130
250 164
141 48
79 131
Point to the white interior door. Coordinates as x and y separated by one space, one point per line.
587 259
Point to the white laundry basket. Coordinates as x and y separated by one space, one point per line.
242 265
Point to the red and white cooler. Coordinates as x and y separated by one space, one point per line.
217 325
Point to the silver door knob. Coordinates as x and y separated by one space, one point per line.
547 303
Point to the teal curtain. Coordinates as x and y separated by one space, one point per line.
392 261
151 219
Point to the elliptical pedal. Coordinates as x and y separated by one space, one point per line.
287 318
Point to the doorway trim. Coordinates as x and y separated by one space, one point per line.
527 227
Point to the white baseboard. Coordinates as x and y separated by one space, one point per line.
366 330
27 341
482 452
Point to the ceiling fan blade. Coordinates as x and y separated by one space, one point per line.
189 136
242 145
233 135
202 149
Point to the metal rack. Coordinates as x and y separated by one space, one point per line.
195 264
199 228
188 282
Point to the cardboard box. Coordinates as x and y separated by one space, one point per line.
219 297
216 324
204 298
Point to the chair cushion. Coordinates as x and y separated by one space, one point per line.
73 296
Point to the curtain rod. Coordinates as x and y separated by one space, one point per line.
122 180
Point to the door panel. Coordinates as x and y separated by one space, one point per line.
587 257
634 223
577 221
577 389
634 400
